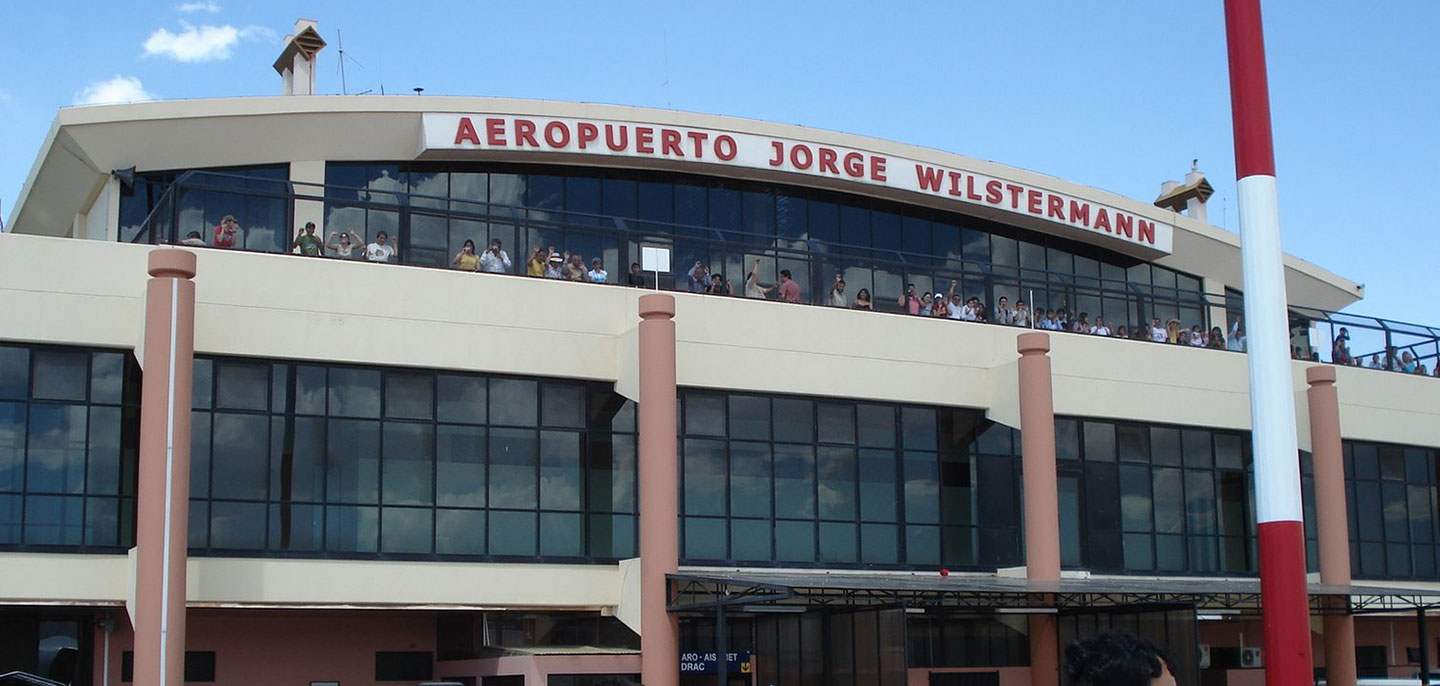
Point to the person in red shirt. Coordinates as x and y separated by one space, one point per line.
226 232
789 290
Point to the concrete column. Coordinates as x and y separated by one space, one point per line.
659 492
163 490
1042 518
1331 522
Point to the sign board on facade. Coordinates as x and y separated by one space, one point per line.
697 662
518 133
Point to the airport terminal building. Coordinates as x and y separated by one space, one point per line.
398 461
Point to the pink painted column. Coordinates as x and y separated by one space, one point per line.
163 489
1042 516
1330 521
659 492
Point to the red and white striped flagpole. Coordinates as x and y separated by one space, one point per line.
1283 593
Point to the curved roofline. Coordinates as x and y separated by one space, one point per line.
1199 248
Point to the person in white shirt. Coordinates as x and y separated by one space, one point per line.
1003 314
753 288
380 250
1157 332
837 292
1237 338
494 260
1196 338
597 273
1022 314
971 311
1100 329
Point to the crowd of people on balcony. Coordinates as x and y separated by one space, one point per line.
550 263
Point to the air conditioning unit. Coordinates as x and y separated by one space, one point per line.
1204 656
1250 658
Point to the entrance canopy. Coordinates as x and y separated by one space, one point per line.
763 590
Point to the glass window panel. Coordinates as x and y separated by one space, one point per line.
242 386
824 222
512 533
794 420
1067 439
1397 522
298 472
795 541
61 375
107 372
239 458
406 530
56 441
409 396
922 487
704 476
461 399
1197 448
352 460
460 532
749 417
1169 499
14 373
1135 498
922 545
12 446
618 197
513 402
1099 442
563 405
878 544
919 427
409 451
199 454
467 188
1164 446
1032 256
1422 515
837 483
559 470
704 414
1004 252
876 424
878 486
102 522
1069 510
705 539
310 390
513 475
854 226
837 422
1170 553
1229 451
297 527
750 540
994 439
561 535
1203 554
354 392
352 529
916 236
656 201
54 520
1200 502
1139 552
839 542
1392 462
976 244
237 526
795 481
1133 443
758 210
582 194
460 466
750 470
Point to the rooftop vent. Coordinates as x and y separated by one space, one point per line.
296 63
1188 197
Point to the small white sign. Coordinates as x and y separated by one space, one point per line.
653 259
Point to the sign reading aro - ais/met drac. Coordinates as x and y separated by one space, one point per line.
519 133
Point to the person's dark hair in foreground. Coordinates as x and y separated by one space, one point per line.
1116 658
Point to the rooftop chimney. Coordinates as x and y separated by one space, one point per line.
296 63
1188 197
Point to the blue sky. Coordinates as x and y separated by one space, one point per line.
1116 95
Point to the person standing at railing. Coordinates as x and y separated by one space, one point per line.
227 233
698 277
1100 329
574 267
909 302
753 287
1216 341
862 300
1237 337
1022 314
789 290
535 266
193 239
1340 349
1003 314
343 244
597 273
719 285
837 292
636 277
307 242
380 250
555 267
494 261
466 260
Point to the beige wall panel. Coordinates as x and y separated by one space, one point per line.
63 578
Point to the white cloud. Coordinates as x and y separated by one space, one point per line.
197 7
193 43
117 90
203 43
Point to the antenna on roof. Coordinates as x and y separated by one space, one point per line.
341 42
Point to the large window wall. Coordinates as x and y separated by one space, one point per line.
257 197
877 245
294 458
68 443
1154 498
1393 523
799 481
